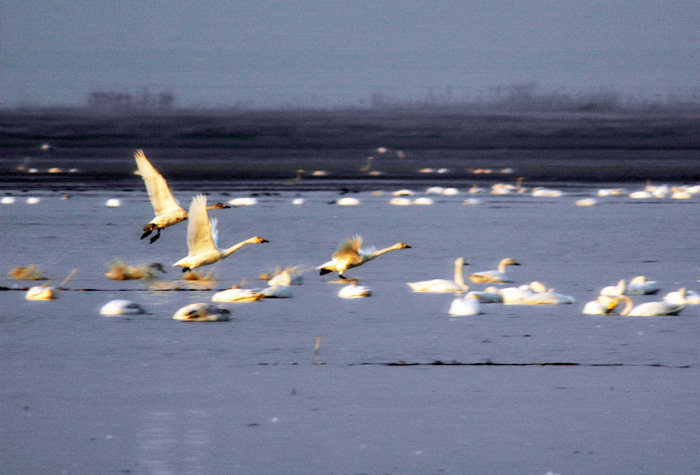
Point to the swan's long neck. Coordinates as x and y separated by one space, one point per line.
459 275
628 305
502 265
232 249
383 251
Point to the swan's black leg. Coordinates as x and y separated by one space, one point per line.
148 231
153 239
324 272
186 269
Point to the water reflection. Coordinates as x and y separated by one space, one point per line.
174 442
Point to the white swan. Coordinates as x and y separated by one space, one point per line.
683 297
594 307
202 238
202 312
41 292
548 298
348 201
648 309
399 201
488 295
354 291
45 292
469 305
121 307
243 201
605 305
515 295
168 210
494 276
443 285
350 255
285 279
237 295
276 292
614 290
641 286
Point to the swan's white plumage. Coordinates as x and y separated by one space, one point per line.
202 312
236 295
647 309
494 276
276 292
683 297
41 292
350 254
595 307
641 286
548 298
488 295
614 290
469 305
443 285
285 279
121 307
354 291
201 234
167 208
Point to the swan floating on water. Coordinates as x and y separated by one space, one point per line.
641 286
121 307
443 285
469 305
488 295
348 201
202 312
167 208
41 292
285 279
494 276
683 297
237 295
276 292
202 238
243 201
614 290
548 298
647 309
354 291
350 255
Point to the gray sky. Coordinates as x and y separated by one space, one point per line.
340 52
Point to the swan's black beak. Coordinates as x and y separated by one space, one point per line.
264 240
408 247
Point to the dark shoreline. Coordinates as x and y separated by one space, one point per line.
254 146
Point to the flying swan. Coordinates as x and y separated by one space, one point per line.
168 210
443 285
350 255
202 238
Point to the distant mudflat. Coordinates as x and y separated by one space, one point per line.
334 147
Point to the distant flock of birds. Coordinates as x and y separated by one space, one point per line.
202 243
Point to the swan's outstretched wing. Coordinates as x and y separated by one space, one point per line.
200 238
161 197
349 248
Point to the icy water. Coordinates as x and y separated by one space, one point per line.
397 385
